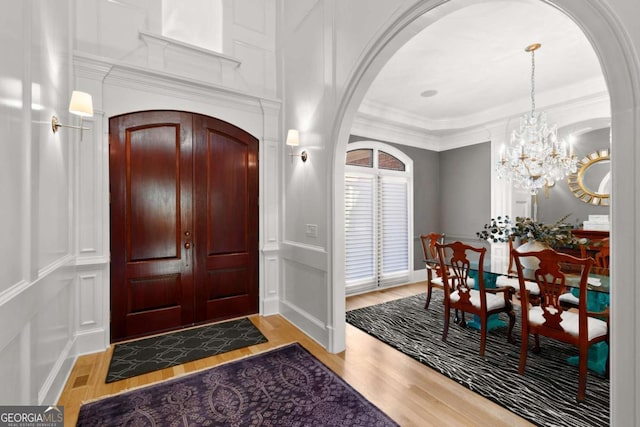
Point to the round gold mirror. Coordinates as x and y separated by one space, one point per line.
592 181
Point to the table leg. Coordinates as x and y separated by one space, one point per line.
494 320
596 359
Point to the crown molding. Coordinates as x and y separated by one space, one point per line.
544 101
386 126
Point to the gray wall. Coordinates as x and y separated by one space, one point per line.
452 190
443 202
561 200
466 191
426 193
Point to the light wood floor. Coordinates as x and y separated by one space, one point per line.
411 393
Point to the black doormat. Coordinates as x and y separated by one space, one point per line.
163 351
545 395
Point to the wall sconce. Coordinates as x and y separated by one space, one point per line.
293 140
81 105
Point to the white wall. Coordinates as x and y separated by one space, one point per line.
37 280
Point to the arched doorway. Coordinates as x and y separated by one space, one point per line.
621 74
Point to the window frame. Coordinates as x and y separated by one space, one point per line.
379 282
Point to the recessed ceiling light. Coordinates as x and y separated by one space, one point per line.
429 93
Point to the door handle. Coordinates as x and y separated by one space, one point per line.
187 255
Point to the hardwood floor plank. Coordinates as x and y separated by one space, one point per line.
409 392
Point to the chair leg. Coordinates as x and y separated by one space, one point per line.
512 322
536 345
582 372
429 288
524 349
483 334
445 330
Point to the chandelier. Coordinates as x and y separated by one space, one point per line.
535 158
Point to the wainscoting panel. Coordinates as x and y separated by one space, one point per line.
304 295
37 337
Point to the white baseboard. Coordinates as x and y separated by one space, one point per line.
270 306
91 341
53 386
305 322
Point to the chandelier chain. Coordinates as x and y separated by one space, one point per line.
533 81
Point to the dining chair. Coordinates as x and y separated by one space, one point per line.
579 328
456 265
434 275
602 257
568 299
514 283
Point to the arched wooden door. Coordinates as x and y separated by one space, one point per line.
184 222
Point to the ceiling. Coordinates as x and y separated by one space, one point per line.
474 58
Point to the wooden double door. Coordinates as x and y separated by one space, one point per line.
184 222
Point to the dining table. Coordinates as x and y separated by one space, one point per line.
598 287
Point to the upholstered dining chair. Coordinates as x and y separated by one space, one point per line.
434 275
455 260
568 299
550 319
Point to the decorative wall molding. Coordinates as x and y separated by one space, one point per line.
142 78
151 38
311 256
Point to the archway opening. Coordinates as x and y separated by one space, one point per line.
618 70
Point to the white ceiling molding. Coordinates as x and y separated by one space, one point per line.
383 127
544 100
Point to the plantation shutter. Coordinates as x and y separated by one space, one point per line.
378 231
359 230
393 230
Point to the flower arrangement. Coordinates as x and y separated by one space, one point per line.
555 235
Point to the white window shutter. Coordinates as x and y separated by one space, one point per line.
359 230
393 233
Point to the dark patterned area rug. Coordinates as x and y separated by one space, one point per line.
285 386
163 351
545 395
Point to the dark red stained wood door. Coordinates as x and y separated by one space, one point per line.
226 200
170 182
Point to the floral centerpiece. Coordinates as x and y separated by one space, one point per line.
503 229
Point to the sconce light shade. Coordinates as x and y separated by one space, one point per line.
293 140
293 137
81 104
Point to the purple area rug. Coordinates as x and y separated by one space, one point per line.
285 387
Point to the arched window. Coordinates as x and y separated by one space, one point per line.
378 216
